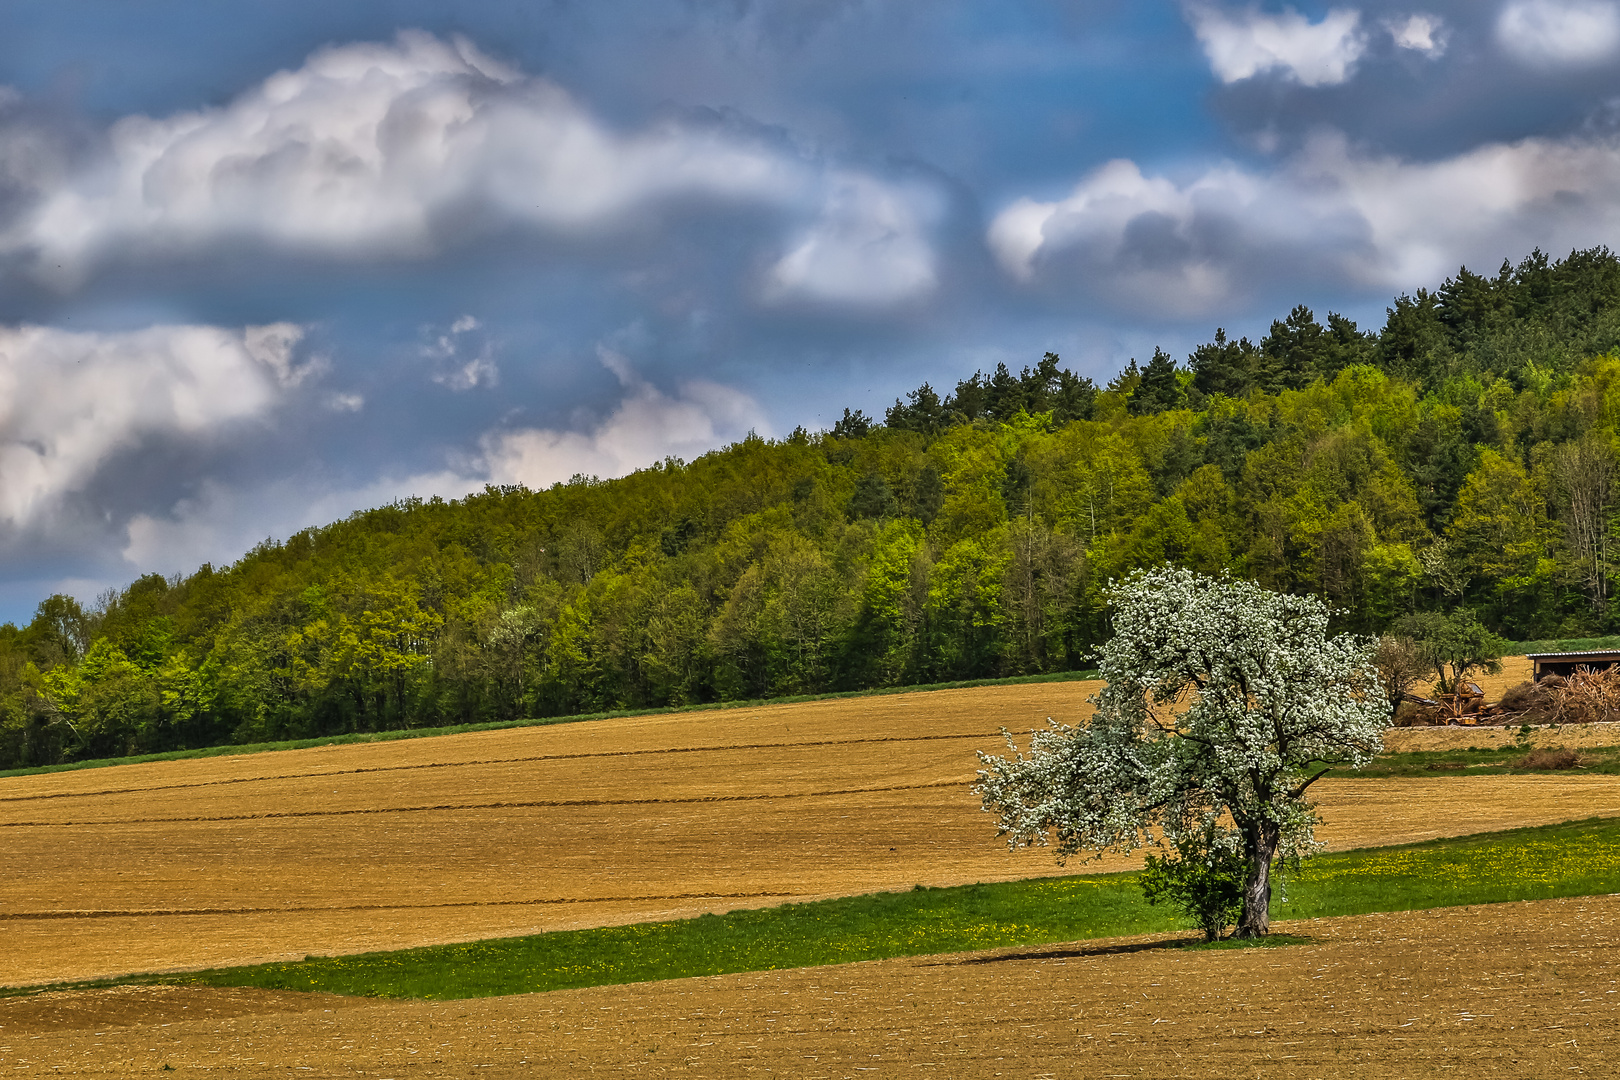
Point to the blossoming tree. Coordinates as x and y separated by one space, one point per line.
1219 696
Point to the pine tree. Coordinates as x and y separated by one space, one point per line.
1224 367
1159 389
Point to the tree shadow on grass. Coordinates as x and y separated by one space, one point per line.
1174 944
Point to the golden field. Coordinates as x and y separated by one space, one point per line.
207 862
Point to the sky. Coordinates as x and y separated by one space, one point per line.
266 264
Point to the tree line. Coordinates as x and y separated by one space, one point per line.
1461 458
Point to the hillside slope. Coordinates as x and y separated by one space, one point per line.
1463 455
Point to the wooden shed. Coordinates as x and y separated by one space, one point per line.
1565 663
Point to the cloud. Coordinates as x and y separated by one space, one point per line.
70 401
220 523
647 426
1425 34
398 151
1553 33
1330 215
1137 238
868 248
1243 44
273 346
456 369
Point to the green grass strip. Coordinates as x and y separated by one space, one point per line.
1520 648
233 749
1578 858
1476 761
1572 859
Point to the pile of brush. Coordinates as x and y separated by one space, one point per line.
1583 697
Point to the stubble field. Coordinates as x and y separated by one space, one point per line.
177 865
1511 990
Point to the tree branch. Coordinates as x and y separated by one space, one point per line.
1300 790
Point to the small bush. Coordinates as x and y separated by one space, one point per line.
1548 759
1204 879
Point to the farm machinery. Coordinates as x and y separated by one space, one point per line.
1583 696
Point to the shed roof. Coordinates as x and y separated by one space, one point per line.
1585 654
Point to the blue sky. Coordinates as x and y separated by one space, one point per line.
262 265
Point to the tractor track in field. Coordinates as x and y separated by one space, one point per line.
543 901
514 804
270 777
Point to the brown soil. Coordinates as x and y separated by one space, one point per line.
1570 736
1402 995
127 1006
178 865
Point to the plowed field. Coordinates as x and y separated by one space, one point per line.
1512 990
186 864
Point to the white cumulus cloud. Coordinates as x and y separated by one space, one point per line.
868 247
70 401
1135 237
219 521
1249 42
1553 33
1330 213
391 150
647 426
1420 33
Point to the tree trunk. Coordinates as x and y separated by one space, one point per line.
1260 841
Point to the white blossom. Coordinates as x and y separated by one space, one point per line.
1219 696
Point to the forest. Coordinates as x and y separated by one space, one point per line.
1462 457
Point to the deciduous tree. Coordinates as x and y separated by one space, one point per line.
1218 696
1454 646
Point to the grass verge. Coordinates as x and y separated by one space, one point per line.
1475 761
1571 859
233 749
1521 648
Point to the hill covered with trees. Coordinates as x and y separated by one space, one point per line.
1463 455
